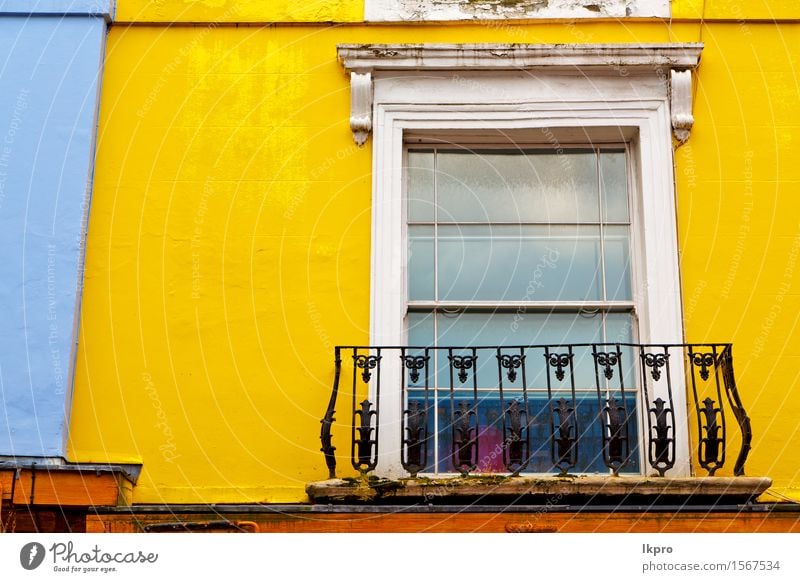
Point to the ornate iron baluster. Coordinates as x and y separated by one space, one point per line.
464 445
464 419
563 449
364 447
729 380
416 430
565 441
613 415
712 446
414 456
662 446
515 442
617 426
660 412
710 420
365 444
327 421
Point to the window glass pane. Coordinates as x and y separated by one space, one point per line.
420 262
519 263
619 328
506 186
520 329
420 329
491 438
614 175
419 176
616 246
560 261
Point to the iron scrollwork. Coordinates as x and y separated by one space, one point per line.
415 364
511 362
607 360
711 443
366 364
661 443
464 444
617 426
655 362
365 443
705 361
416 453
565 439
462 364
708 369
559 362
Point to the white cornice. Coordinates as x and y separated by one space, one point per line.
387 57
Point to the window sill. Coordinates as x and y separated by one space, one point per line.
554 490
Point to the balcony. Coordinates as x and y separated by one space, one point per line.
582 422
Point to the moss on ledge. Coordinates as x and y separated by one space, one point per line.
504 489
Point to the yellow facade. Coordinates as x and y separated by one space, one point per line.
239 11
229 236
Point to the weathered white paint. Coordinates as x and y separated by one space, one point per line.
681 104
402 10
360 106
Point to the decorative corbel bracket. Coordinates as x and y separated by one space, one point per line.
361 106
681 104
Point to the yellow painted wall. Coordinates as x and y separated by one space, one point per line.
229 237
736 9
739 219
239 10
353 10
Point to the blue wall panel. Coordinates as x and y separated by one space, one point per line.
49 75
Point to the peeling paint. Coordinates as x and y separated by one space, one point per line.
385 10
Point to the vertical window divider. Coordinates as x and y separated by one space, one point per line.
435 314
603 284
600 201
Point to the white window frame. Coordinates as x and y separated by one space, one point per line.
603 92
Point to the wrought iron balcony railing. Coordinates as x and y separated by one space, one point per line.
576 408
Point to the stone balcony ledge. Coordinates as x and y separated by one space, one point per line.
587 490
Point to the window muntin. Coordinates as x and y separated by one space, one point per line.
519 247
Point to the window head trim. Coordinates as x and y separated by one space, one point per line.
673 63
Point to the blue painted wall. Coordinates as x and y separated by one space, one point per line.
49 77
